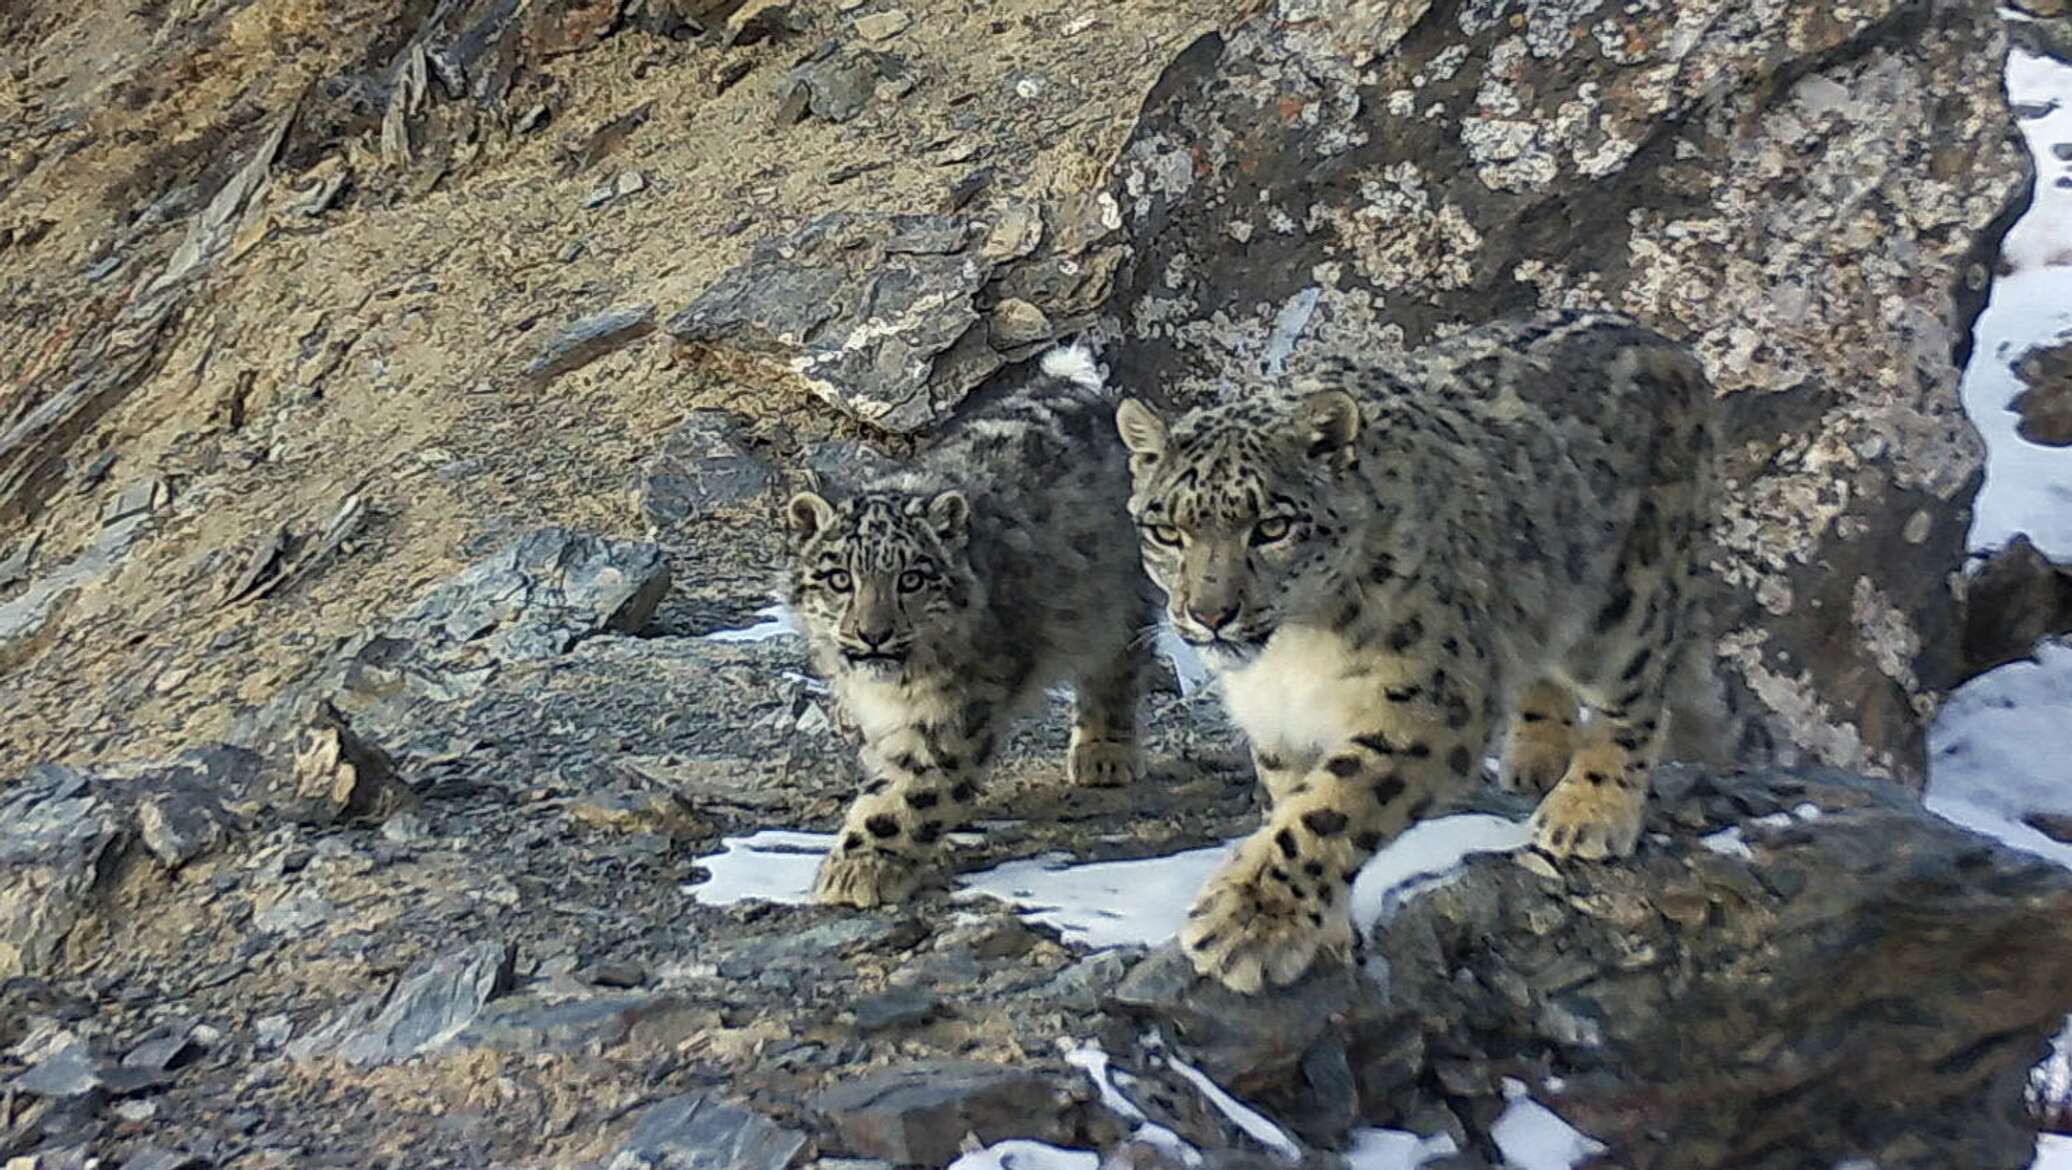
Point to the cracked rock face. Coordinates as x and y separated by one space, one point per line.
1805 196
894 319
1797 969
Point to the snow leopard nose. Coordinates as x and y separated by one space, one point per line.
1213 620
875 638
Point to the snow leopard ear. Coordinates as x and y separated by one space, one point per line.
1329 420
1143 432
949 514
808 513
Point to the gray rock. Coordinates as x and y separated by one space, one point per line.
1087 984
340 776
701 467
1016 322
530 1024
163 1054
138 499
160 1158
880 26
1286 1052
589 338
537 598
29 612
2014 599
816 946
836 84
897 1007
425 1011
182 819
62 828
1819 1000
917 1114
56 832
858 309
2045 403
14 567
297 913
700 1132
73 1070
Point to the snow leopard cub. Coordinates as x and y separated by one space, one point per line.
941 600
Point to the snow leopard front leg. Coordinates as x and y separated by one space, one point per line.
923 777
1284 898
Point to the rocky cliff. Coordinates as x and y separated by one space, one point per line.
391 396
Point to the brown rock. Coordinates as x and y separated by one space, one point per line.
2015 599
2046 406
342 777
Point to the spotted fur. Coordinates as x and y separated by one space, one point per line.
1389 560
942 600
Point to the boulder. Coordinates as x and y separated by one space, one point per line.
427 1010
917 1114
64 831
697 1131
1797 969
1786 194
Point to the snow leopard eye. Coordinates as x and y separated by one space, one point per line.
838 580
1271 530
911 581
1166 535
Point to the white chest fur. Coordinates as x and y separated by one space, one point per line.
880 707
1294 699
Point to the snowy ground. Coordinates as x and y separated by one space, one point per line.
1990 766
2028 488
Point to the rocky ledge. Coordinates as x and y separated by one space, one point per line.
475 934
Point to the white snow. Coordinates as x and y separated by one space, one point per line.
1994 751
1533 1137
1991 761
1111 903
1393 1149
1429 854
775 865
1728 842
2028 487
1025 1155
1255 1124
1101 903
1092 1060
775 621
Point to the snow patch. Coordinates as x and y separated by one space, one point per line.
1427 855
1534 1137
1255 1124
775 622
1026 1155
1112 903
1728 842
1393 1149
2028 487
1093 1060
775 865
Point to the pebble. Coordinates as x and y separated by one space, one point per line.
881 26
